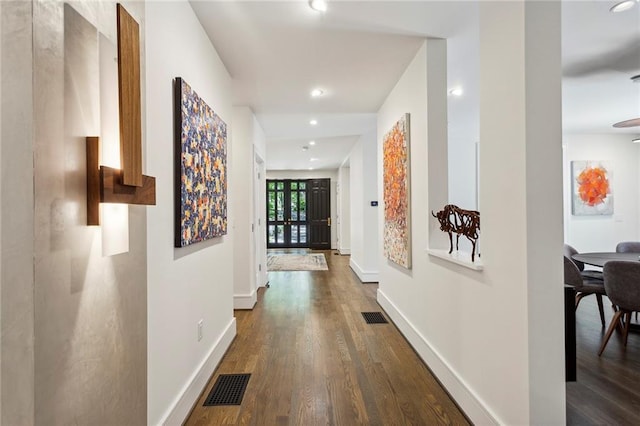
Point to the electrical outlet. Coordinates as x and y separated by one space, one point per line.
199 330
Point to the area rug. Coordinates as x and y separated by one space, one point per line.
297 262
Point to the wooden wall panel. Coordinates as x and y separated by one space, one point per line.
130 108
93 180
112 191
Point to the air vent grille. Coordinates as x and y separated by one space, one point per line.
228 390
374 318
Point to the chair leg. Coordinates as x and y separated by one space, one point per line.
601 308
579 297
612 326
620 324
626 327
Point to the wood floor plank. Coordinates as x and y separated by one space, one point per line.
607 390
314 361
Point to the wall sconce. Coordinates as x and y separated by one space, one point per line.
126 185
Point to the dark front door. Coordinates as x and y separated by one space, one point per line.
287 222
319 214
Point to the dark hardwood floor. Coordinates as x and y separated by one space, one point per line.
607 391
314 360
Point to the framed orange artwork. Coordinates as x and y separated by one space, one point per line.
592 192
397 194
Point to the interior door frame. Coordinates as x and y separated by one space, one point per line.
259 221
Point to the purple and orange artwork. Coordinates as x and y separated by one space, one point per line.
396 193
591 184
201 175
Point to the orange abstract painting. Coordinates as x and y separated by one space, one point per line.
592 195
396 194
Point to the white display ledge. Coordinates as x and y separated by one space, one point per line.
458 257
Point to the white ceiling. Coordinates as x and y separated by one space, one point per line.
277 51
600 54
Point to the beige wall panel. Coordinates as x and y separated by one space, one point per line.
90 310
17 215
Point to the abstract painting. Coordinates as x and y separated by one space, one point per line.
396 193
591 188
201 168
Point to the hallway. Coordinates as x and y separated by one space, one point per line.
314 360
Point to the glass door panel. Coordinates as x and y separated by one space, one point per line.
280 234
303 205
294 205
271 234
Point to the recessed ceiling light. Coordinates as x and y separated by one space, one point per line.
622 6
310 168
636 140
313 159
316 93
456 91
318 5
313 122
312 142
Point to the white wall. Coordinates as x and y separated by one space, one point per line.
314 174
463 128
259 139
499 353
344 210
241 174
187 284
363 165
602 233
248 139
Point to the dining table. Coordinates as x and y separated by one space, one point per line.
600 258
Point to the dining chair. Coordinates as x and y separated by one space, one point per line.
622 284
628 247
569 251
584 286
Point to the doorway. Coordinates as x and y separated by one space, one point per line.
259 219
298 213
319 214
287 221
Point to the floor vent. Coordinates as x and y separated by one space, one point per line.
228 390
374 318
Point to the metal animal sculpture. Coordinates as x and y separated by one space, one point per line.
454 220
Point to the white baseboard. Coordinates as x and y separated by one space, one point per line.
245 301
364 276
344 251
181 408
467 399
